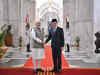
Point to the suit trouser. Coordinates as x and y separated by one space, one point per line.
28 47
68 48
56 53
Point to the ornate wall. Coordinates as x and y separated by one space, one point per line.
80 14
96 15
14 12
10 15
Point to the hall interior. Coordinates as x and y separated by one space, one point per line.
83 17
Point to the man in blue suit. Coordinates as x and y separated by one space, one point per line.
56 35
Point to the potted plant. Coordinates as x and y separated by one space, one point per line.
3 50
77 42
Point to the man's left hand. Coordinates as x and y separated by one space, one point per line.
62 48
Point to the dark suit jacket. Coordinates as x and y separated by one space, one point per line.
59 39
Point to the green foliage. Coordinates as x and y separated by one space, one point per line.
2 38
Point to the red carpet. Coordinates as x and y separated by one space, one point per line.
47 62
68 71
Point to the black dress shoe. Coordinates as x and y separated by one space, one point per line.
29 51
39 70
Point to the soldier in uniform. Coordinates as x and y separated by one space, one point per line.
36 46
27 37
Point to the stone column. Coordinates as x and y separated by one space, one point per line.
14 12
14 19
84 23
1 13
80 14
9 15
96 11
5 12
96 17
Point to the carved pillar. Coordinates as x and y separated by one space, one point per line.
80 14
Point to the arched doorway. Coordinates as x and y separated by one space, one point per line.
46 12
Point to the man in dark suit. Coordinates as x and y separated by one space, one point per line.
56 35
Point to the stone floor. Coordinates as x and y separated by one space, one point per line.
82 58
18 56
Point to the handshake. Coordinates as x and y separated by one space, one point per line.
43 42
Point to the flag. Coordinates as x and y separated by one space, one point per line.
27 19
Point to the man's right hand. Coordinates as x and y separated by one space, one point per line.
43 42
